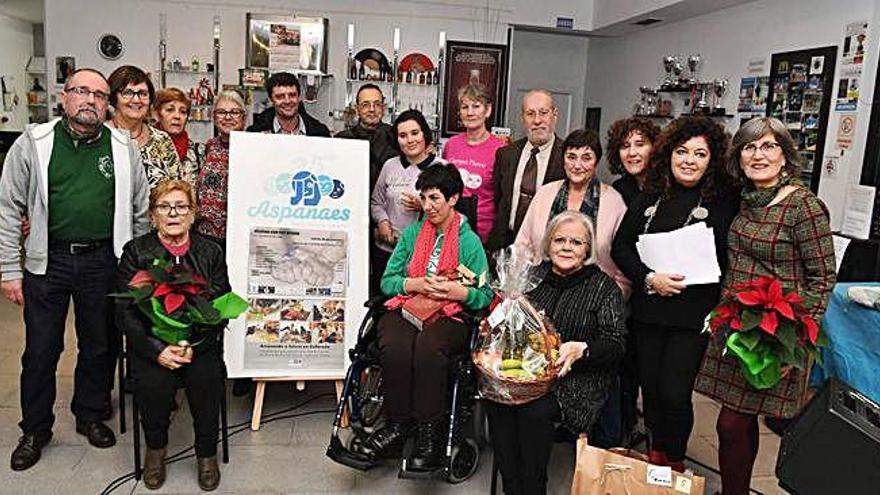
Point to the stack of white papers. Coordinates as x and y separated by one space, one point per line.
688 251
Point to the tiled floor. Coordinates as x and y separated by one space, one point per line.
285 456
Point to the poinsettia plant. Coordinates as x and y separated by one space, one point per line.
767 328
175 299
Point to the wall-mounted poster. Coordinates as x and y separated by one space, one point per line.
286 43
64 67
852 61
473 63
297 250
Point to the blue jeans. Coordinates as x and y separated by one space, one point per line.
87 277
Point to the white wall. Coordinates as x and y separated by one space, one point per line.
16 47
73 27
727 40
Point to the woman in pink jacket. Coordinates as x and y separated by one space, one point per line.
579 191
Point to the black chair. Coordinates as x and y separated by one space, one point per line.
126 383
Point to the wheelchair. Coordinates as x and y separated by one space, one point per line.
359 411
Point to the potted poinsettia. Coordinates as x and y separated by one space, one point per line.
176 300
767 329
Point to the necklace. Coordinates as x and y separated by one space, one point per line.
699 212
131 134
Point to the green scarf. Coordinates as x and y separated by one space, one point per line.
753 197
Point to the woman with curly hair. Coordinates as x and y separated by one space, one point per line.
687 184
630 142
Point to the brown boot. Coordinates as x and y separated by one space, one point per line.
209 473
154 468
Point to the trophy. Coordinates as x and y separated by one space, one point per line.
668 65
719 87
702 105
693 63
647 104
678 69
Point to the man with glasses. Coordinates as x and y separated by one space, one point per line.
287 114
371 110
524 165
83 188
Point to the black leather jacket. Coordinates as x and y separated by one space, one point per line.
206 258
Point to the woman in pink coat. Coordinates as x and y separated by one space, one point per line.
579 191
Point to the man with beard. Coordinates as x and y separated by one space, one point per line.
83 188
370 105
287 114
522 167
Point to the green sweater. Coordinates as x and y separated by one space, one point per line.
81 187
470 254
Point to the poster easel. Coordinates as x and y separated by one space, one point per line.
260 393
297 250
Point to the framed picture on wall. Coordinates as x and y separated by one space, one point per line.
286 43
473 63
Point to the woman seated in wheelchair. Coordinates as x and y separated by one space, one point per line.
437 259
156 366
586 308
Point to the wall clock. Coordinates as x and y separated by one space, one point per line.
110 46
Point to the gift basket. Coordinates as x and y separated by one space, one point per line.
517 349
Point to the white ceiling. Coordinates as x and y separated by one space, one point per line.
26 10
667 12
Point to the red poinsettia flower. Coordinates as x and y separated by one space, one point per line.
769 322
140 279
725 314
174 295
812 328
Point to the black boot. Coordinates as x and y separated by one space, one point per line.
428 451
387 441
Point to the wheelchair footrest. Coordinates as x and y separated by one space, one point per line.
414 474
337 452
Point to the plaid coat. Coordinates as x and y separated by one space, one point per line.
791 241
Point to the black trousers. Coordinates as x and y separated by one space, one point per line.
522 438
155 386
415 365
87 277
629 382
668 360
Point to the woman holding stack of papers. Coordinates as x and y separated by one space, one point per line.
672 245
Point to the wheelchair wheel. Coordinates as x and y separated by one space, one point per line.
464 461
367 398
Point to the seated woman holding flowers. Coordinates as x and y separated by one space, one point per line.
438 258
585 306
157 366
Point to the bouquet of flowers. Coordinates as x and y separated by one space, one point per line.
517 348
766 329
175 299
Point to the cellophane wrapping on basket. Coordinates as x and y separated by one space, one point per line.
517 348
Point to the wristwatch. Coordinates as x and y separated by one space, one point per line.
649 283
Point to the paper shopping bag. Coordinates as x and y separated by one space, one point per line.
622 472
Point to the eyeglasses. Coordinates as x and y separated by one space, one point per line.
767 149
369 105
560 241
166 209
543 113
84 92
235 114
128 94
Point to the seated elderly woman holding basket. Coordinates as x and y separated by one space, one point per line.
173 330
439 267
518 361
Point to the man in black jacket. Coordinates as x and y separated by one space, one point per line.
370 105
287 115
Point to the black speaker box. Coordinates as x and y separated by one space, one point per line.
833 446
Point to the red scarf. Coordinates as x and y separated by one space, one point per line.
181 144
418 265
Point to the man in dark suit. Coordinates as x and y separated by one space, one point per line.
522 167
